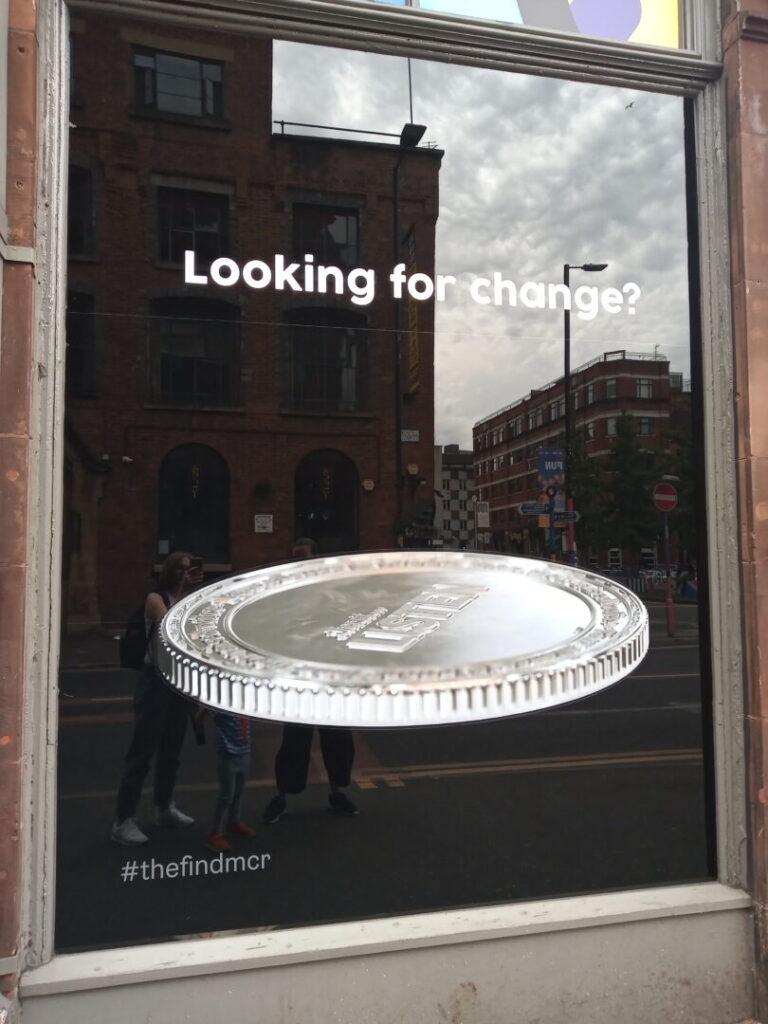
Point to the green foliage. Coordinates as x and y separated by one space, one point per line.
631 472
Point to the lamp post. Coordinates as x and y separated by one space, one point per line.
410 137
567 268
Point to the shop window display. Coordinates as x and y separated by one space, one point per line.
302 389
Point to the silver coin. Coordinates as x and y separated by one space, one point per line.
402 638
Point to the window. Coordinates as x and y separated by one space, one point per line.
610 426
614 558
446 524
81 235
191 220
194 352
644 387
589 430
536 417
610 388
175 84
325 361
462 505
81 346
645 426
329 233
590 397
576 396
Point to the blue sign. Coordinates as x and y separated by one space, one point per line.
533 508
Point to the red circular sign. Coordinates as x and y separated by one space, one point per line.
665 497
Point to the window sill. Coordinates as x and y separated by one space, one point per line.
178 407
73 972
216 124
328 414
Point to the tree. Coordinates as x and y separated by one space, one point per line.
589 495
630 474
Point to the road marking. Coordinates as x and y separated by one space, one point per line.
397 777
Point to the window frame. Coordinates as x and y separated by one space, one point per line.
154 393
406 33
143 73
221 193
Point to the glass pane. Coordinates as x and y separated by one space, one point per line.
364 353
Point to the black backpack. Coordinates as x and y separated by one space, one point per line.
135 640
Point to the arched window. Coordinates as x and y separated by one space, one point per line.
325 360
193 354
193 503
326 497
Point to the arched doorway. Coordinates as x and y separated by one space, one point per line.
193 503
326 501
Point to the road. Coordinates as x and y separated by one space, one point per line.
604 793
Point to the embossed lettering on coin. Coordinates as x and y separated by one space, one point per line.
407 625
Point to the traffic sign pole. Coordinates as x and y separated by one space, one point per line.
665 499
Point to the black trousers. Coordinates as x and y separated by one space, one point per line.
292 760
161 716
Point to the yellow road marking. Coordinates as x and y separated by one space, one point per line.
398 777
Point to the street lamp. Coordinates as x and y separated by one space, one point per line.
410 137
567 268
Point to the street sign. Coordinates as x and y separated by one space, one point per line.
665 496
482 515
567 517
533 508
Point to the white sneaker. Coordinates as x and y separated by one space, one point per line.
128 833
172 817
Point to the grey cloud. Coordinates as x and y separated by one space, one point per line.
537 172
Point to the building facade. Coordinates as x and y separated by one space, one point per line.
703 946
617 384
455 513
177 394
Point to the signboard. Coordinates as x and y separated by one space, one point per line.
263 524
533 508
414 377
482 515
665 496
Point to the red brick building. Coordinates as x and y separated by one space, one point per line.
228 420
506 443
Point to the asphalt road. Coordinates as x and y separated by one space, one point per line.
605 793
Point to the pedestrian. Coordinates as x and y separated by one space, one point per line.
292 760
160 716
233 757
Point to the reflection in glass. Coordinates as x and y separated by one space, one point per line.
331 373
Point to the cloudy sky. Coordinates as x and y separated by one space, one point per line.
537 173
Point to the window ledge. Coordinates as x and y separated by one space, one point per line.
73 972
328 414
216 124
178 407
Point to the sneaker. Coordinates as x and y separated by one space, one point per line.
172 817
217 842
128 833
341 804
274 810
237 828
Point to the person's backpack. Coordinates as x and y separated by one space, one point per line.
135 639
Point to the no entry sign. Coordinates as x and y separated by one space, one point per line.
665 497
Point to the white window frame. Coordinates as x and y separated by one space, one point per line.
694 73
